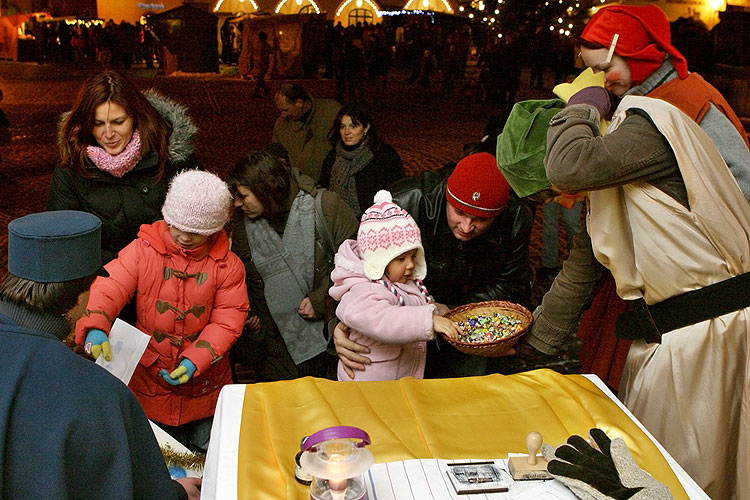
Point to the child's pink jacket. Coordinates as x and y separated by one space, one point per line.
192 303
395 334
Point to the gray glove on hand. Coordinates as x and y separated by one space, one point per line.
609 473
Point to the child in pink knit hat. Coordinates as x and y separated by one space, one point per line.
191 300
377 280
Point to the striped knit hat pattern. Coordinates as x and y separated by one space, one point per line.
385 232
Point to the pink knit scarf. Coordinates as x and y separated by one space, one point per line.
121 163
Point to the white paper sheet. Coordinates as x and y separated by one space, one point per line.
127 344
427 478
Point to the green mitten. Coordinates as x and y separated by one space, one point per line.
609 473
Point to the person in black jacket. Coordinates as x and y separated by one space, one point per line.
119 149
475 234
359 164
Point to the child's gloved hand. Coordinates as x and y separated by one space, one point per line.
97 343
179 375
446 326
604 474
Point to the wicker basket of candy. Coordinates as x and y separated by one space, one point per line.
489 328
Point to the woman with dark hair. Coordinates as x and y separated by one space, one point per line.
359 164
119 148
286 231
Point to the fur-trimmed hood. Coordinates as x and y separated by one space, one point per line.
183 128
180 146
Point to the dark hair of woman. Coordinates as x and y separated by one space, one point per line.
111 86
359 115
266 173
53 298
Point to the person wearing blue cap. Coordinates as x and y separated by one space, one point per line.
71 430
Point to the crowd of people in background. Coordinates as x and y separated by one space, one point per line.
127 158
457 56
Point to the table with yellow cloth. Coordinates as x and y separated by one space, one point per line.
257 428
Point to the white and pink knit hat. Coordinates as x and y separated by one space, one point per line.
197 202
385 232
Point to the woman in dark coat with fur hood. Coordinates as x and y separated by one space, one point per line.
359 165
119 150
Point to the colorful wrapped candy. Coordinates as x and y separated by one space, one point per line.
482 328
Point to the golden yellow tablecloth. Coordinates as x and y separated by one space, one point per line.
476 417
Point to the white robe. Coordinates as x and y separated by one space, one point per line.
692 391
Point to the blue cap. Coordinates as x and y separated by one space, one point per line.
51 247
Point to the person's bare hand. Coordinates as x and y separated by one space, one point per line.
349 351
252 324
192 486
441 309
446 326
306 309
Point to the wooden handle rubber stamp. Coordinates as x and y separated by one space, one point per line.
533 466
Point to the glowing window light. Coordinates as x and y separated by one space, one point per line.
220 2
375 8
281 4
448 8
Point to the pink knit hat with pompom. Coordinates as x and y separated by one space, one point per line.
385 232
197 202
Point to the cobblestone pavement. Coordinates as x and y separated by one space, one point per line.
427 126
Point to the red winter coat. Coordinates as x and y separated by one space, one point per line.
192 303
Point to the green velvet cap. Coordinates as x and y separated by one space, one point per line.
521 145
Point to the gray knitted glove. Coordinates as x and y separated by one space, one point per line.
609 473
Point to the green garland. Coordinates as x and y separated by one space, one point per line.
194 461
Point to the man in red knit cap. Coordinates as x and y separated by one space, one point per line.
475 234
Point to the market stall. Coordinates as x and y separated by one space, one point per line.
296 41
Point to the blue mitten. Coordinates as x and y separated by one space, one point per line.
597 97
97 343
179 375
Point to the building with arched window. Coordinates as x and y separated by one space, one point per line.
351 12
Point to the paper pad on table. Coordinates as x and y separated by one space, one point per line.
127 344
